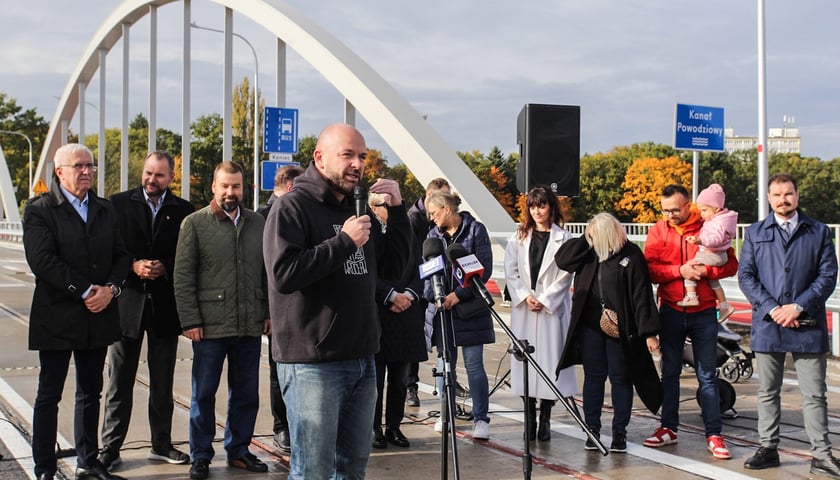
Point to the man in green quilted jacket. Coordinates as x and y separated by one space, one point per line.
220 286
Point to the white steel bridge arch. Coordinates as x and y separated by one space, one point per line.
423 150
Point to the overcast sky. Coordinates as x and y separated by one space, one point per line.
471 65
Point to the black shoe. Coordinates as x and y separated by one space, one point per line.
590 445
411 398
379 439
544 433
46 476
109 458
97 472
169 455
395 436
461 391
249 462
619 442
532 419
829 467
281 439
200 469
764 458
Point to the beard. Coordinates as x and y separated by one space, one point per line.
229 204
153 190
337 183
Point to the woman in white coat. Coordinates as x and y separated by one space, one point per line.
540 304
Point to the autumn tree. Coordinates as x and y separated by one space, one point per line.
495 172
644 182
410 187
242 126
176 185
566 208
375 167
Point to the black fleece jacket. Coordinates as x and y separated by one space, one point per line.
321 287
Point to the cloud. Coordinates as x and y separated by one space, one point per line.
471 66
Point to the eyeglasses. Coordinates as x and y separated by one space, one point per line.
80 167
674 211
433 214
380 205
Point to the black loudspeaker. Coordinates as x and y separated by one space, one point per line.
549 148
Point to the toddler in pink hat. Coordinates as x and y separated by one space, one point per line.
714 239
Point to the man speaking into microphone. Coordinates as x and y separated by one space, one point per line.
472 324
323 256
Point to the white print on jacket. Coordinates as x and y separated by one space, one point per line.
355 264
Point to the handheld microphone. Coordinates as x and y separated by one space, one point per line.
361 197
467 270
433 267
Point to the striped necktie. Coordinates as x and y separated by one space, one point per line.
786 231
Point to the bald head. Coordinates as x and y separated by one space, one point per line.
340 156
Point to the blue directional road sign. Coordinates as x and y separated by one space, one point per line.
269 169
280 134
698 128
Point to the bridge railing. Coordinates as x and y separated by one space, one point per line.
11 231
637 232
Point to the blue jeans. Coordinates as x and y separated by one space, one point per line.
476 376
243 356
702 328
603 357
330 412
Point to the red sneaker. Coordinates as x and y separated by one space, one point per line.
661 437
718 448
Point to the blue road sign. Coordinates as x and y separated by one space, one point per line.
269 169
698 128
280 134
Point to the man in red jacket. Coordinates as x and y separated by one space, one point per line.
669 258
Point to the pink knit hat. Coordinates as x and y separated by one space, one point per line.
712 196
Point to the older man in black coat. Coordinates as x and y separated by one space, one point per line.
150 218
73 247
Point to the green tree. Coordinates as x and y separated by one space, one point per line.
601 175
205 154
306 148
14 118
741 188
816 182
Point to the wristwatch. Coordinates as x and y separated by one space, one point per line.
115 290
798 308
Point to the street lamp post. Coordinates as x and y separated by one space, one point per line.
30 156
256 110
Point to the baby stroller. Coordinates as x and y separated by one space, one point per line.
733 365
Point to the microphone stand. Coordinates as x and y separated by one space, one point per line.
527 465
523 351
447 411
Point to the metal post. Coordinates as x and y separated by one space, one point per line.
695 174
256 110
762 117
31 194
